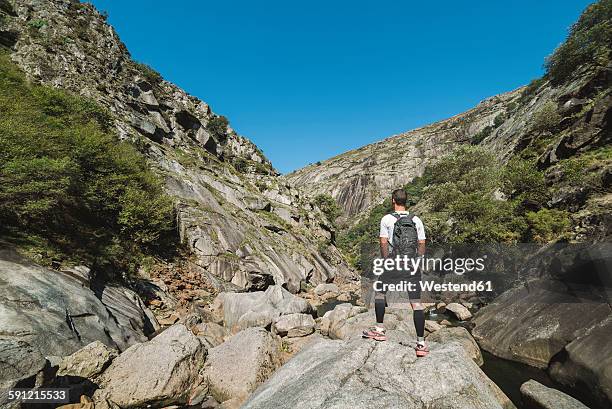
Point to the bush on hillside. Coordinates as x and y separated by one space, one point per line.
546 118
588 41
328 206
66 181
217 127
547 225
469 197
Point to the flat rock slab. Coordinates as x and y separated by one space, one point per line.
364 373
537 396
460 335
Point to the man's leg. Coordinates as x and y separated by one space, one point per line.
378 331
379 308
418 317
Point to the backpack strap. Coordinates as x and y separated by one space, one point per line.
397 215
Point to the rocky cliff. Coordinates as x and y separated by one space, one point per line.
362 178
553 121
240 221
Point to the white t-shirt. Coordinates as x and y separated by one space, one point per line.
388 221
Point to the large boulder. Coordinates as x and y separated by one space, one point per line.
587 363
349 321
294 325
258 308
537 396
543 324
235 368
534 322
460 335
363 373
325 288
459 311
158 373
88 362
45 312
129 310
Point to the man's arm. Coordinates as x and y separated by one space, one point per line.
421 248
384 247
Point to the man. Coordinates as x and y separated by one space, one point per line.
405 234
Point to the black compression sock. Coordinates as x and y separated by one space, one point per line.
419 322
379 308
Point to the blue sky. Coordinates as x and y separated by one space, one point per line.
309 80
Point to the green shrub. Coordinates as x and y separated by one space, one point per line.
37 23
530 90
65 179
546 118
524 183
480 136
217 127
588 41
546 225
328 206
149 73
499 119
458 200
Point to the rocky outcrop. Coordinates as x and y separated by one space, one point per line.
242 223
235 368
257 309
159 372
537 396
363 374
49 313
362 178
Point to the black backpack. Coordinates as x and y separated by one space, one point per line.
405 238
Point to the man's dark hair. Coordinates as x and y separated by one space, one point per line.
400 197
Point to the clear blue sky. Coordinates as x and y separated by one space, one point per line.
307 80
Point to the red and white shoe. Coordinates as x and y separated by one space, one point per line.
421 350
374 333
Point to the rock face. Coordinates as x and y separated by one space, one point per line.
45 312
240 221
235 368
364 374
537 396
362 178
259 308
159 372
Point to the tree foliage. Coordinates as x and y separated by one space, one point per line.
589 41
66 180
469 197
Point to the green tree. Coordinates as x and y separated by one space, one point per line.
67 182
